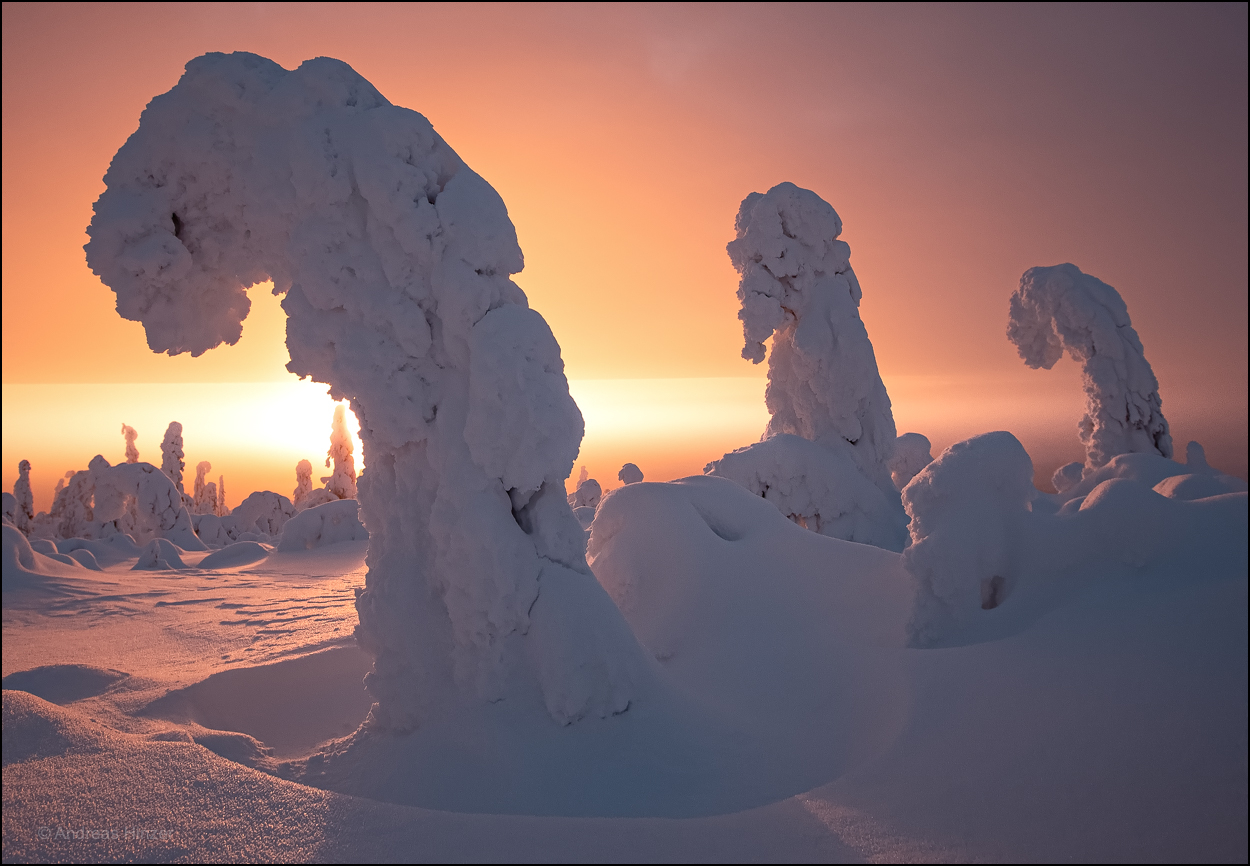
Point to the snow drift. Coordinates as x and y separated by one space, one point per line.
1059 308
394 258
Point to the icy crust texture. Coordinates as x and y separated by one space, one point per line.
966 509
798 287
1059 308
395 260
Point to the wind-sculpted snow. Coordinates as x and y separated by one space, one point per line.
395 260
1059 308
818 487
798 287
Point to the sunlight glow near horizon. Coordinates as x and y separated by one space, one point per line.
255 432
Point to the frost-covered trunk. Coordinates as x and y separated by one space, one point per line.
395 259
1058 308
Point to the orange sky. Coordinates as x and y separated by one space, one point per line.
961 145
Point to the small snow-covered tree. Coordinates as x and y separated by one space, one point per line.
171 454
24 512
132 453
342 481
303 482
912 452
200 499
222 509
1059 308
208 499
629 474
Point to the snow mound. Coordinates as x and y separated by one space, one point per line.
64 684
35 728
395 261
239 553
159 555
85 558
817 486
1059 308
323 525
263 512
1190 487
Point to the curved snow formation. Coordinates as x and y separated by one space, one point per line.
1059 308
395 259
799 288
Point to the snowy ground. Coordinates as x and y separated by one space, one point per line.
161 715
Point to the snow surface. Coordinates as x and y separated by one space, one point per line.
1101 716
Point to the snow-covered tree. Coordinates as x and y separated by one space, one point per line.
629 474
201 501
797 287
395 261
1059 308
24 511
221 510
342 481
132 453
171 454
912 452
303 482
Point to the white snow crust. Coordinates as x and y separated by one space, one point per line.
1059 308
394 258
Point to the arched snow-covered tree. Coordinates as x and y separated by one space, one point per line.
1059 308
395 261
